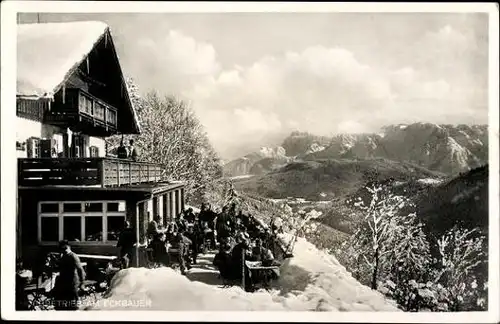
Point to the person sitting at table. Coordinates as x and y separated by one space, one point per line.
160 251
170 231
70 279
23 276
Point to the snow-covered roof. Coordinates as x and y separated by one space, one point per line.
48 53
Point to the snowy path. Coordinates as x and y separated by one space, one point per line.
204 271
310 281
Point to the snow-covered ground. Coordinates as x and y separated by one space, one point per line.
245 176
430 181
310 281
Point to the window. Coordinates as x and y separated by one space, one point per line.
97 221
116 207
72 207
33 147
85 104
49 229
94 151
111 116
50 208
99 110
93 207
72 228
93 228
115 226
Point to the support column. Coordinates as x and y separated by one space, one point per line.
142 213
179 201
160 209
166 209
156 207
66 145
132 212
172 205
183 199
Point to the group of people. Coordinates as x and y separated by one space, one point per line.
242 238
68 283
127 152
236 237
183 239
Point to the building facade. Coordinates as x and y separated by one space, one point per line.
71 95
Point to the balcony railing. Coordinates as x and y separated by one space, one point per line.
80 106
104 172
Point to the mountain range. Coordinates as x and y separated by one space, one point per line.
448 149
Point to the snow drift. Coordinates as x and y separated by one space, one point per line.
310 281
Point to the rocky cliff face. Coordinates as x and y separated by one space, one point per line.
259 162
445 148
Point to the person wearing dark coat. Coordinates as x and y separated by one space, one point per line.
126 243
160 252
132 151
189 216
192 234
182 244
223 262
70 279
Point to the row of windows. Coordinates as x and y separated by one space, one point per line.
77 207
88 221
81 228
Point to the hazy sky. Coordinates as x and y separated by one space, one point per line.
254 77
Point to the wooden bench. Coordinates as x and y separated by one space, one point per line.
98 257
256 266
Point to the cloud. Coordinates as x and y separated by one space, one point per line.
322 89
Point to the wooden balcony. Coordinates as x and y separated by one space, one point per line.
83 111
103 172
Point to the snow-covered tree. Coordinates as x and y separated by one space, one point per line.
461 252
386 235
171 135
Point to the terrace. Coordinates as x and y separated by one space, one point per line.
102 172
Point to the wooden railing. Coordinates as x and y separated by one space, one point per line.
104 172
78 106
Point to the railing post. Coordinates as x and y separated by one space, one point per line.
140 172
129 173
118 172
101 166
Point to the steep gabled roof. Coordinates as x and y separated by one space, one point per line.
48 53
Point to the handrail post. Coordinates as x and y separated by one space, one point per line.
129 173
118 172
140 171
101 165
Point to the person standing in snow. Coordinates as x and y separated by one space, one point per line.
126 243
182 244
70 279
239 251
192 235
